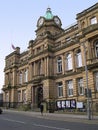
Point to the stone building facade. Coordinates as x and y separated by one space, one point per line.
60 65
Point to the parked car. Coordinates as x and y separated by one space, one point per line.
1 111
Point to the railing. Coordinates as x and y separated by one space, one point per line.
70 27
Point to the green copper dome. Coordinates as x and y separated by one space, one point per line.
48 14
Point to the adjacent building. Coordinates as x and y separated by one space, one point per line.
60 65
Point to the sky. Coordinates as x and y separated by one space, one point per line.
18 20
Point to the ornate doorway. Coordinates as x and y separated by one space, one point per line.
39 95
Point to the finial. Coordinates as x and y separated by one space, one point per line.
48 13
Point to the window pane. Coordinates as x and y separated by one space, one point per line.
79 59
59 64
80 86
26 76
93 20
20 78
69 62
70 88
60 89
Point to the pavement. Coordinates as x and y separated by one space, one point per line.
58 116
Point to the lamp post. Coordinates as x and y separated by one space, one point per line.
86 74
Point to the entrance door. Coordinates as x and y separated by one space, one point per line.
39 95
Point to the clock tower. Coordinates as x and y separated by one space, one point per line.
49 23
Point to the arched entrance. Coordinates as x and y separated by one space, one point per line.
39 95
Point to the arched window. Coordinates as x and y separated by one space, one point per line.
78 58
59 64
80 86
83 24
96 49
60 89
26 75
70 88
69 61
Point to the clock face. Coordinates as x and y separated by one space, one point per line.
57 20
40 21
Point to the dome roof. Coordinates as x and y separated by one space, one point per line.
48 14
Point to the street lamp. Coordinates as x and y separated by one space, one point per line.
86 74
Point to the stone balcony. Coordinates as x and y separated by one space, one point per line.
38 78
91 28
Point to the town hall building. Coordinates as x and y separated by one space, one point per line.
59 67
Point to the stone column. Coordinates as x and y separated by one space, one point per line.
34 68
30 72
42 66
51 67
17 77
14 77
64 89
28 93
63 64
73 60
12 96
55 65
21 95
75 88
48 66
22 76
23 71
45 65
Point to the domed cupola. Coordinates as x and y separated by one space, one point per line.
48 22
49 18
48 14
